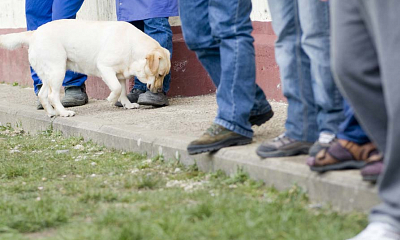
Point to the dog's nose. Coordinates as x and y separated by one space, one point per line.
160 90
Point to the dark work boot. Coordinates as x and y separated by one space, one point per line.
153 99
75 96
133 96
259 120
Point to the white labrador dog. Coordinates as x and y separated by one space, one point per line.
114 51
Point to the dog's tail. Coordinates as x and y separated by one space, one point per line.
15 40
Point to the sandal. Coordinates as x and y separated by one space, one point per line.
373 169
342 155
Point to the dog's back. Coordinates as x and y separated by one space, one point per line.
84 42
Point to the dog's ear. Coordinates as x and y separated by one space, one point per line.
153 61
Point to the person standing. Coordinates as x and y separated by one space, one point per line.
315 105
150 16
365 47
219 32
39 12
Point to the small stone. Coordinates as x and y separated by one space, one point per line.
38 199
62 151
79 147
93 175
177 170
40 188
93 163
44 179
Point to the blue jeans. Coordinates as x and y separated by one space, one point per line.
303 55
39 12
219 31
160 30
350 129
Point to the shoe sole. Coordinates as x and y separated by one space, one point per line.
75 103
280 153
339 166
152 104
370 178
196 149
261 121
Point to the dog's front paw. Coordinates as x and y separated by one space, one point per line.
67 114
131 105
51 112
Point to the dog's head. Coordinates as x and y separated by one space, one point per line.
158 65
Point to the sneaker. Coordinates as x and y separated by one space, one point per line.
261 119
215 138
283 146
133 96
378 231
75 96
153 99
324 141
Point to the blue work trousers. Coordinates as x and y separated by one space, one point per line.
219 31
39 12
350 129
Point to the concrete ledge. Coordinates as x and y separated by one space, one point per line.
126 130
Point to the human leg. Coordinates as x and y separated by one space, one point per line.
365 67
37 13
160 30
62 9
315 41
294 65
198 37
301 128
209 33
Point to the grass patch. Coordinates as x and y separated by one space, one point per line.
59 188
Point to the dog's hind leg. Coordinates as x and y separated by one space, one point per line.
44 100
123 99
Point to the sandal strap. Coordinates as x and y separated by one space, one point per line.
361 152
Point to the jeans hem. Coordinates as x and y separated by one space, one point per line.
297 137
234 128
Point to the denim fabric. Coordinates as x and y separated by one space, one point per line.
219 31
160 30
350 129
303 55
136 10
39 12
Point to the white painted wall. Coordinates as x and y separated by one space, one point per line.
12 12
